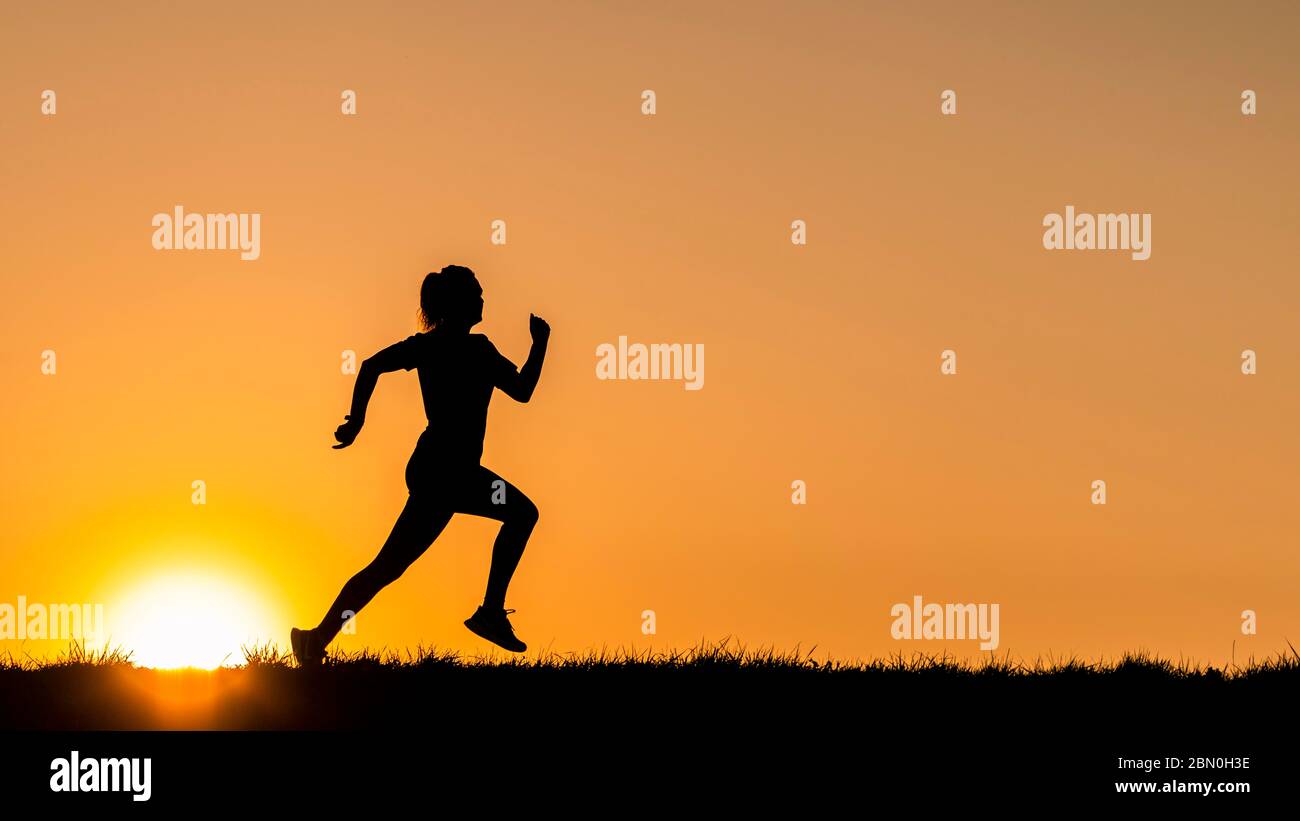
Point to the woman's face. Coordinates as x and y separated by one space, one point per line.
475 303
470 304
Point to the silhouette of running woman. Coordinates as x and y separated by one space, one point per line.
458 371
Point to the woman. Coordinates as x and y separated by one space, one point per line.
458 371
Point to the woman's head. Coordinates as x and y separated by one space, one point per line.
451 298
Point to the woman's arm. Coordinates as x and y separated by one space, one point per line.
521 387
367 379
396 357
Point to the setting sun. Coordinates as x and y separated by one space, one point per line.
189 620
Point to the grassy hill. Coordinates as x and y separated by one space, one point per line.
384 689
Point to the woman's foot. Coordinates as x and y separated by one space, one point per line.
306 649
495 627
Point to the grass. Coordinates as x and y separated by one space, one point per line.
703 684
723 655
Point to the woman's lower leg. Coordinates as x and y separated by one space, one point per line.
506 553
414 531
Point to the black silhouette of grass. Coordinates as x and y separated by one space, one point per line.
725 655
386 688
720 655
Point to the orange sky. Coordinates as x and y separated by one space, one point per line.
924 233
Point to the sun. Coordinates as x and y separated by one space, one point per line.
189 619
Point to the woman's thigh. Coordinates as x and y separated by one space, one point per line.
484 493
415 529
463 488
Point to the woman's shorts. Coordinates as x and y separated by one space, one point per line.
434 469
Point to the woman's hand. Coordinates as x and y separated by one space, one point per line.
347 432
539 329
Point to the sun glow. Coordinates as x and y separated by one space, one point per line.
190 619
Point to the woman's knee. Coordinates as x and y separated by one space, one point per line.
523 511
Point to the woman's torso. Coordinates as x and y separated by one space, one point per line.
456 388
